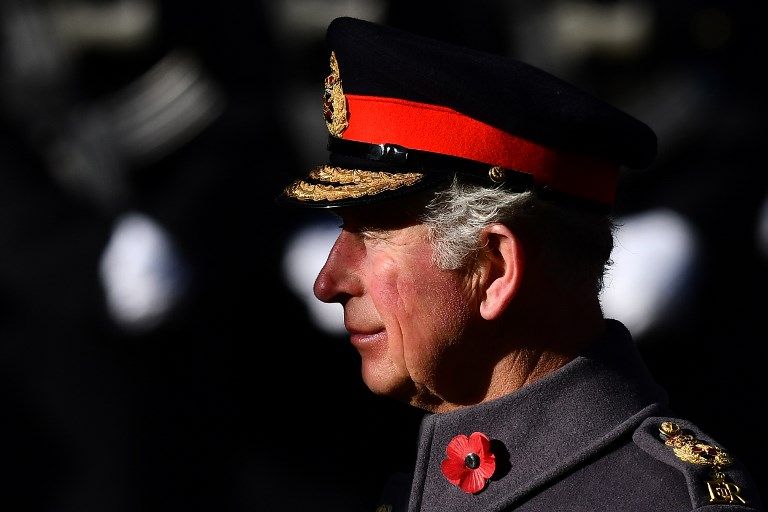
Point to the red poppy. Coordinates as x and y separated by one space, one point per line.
470 462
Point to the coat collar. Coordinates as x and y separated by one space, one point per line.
546 428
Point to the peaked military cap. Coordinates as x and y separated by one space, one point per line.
405 112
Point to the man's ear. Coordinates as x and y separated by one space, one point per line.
502 269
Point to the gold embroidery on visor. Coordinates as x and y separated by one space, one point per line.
338 183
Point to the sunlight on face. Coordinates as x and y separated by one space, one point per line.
405 316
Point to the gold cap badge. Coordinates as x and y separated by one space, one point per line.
334 102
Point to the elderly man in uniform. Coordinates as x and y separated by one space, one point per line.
475 193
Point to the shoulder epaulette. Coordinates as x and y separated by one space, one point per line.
714 476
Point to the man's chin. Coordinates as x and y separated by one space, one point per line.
385 383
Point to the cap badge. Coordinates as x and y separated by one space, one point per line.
334 102
470 463
689 448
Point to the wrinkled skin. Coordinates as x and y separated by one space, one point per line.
408 319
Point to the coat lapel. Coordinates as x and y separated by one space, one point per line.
543 430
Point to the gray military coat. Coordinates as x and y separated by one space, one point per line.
596 435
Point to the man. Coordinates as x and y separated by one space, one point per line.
475 194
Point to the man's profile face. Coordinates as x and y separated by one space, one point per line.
405 316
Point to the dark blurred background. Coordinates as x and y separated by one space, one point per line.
159 345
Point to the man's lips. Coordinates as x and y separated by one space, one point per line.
364 338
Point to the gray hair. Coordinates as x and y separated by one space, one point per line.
576 244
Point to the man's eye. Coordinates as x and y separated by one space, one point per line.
350 228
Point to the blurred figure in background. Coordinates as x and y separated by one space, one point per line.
141 142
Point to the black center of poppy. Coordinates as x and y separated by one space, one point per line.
472 461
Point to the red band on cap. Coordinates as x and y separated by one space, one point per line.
425 127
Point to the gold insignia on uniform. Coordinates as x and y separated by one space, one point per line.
723 491
335 183
383 508
334 102
688 448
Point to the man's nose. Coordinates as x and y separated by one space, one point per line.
338 279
